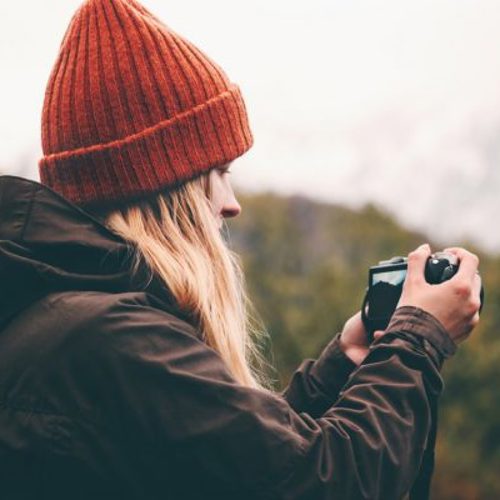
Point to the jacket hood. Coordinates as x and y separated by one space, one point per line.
47 245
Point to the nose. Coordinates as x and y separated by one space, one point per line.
231 208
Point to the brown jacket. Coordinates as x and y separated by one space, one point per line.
106 392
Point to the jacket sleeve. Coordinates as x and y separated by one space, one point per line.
162 383
316 384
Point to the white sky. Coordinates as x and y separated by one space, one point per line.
394 101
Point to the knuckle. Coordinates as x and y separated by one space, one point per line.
463 289
476 304
471 309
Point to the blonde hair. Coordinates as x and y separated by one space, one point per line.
177 235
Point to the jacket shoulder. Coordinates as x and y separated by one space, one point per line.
75 327
106 313
61 353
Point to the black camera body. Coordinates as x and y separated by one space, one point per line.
385 284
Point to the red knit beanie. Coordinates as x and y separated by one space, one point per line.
131 108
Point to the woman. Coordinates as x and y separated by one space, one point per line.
127 366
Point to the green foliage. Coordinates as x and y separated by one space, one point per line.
306 264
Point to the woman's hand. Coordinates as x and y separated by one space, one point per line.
354 339
456 302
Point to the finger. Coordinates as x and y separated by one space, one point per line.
416 263
452 250
477 285
475 321
378 334
468 264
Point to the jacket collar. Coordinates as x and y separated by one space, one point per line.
48 244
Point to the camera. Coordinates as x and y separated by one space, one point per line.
385 284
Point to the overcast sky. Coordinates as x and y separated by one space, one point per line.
349 100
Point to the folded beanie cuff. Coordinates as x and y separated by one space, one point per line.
162 156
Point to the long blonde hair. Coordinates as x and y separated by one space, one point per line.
178 237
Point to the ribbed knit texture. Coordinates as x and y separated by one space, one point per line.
131 108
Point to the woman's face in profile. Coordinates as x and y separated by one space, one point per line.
222 198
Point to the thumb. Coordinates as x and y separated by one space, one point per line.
416 263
